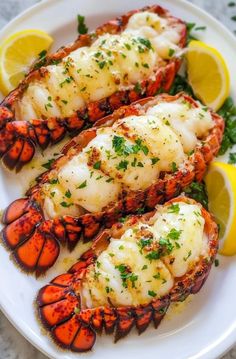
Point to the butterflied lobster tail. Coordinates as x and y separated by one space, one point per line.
85 192
72 307
62 94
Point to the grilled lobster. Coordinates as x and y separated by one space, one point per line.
128 58
131 274
141 155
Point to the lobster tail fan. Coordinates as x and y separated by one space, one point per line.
29 236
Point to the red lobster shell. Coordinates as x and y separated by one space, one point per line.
34 241
19 138
74 327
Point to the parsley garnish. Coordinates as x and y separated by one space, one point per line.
123 165
65 204
173 208
126 275
82 185
188 255
174 234
171 52
232 158
151 293
68 194
155 160
138 88
174 167
198 192
82 28
48 165
97 165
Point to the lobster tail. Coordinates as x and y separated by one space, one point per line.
18 137
72 324
74 328
17 140
29 236
35 241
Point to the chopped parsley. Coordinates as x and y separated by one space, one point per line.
174 167
198 192
82 28
152 293
144 267
232 158
128 47
126 275
97 165
155 160
217 262
54 181
188 255
228 112
174 234
174 208
68 194
65 204
123 165
66 81
48 165
138 88
171 52
145 42
144 242
82 185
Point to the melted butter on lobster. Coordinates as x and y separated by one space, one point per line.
126 59
131 275
140 156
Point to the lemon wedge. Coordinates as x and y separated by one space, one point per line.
221 188
207 74
17 54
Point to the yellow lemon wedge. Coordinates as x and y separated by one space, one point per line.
207 74
17 54
221 188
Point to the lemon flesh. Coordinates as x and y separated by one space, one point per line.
221 188
17 54
207 74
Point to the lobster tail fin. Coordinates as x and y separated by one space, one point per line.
17 141
59 310
29 236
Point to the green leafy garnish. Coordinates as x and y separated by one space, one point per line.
82 28
198 192
228 112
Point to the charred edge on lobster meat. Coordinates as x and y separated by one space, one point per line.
35 241
74 328
19 138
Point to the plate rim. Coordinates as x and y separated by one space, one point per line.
228 341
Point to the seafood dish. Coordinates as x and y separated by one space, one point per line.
140 137
131 274
128 58
142 155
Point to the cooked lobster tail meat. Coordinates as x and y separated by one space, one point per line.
131 275
131 57
141 155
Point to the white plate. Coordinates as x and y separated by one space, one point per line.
204 328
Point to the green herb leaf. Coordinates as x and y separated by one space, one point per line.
82 185
82 28
68 194
97 165
232 158
48 165
151 293
173 208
